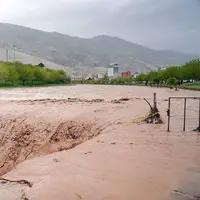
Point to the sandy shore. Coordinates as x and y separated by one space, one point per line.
77 143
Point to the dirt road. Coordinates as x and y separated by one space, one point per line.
114 160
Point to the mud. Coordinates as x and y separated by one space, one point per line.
21 140
69 100
79 143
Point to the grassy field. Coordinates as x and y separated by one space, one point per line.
194 86
30 84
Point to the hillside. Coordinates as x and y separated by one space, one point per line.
26 58
74 52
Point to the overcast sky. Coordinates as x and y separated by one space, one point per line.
159 24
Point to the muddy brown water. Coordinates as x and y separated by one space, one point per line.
106 157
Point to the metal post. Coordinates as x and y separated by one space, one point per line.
14 54
198 128
168 114
184 114
154 101
6 55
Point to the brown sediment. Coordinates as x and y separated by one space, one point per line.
124 161
68 100
21 140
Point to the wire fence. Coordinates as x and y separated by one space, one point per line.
184 114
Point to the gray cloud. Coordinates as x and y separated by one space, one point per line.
160 24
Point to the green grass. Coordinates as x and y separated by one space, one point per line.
194 86
30 84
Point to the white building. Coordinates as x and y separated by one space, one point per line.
161 68
136 74
100 76
113 71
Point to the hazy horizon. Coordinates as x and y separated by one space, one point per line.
157 24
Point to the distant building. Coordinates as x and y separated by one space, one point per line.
100 76
94 76
90 77
126 74
161 68
135 74
113 70
77 77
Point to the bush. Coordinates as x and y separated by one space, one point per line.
172 82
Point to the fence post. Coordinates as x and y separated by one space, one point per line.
198 128
168 114
154 101
184 114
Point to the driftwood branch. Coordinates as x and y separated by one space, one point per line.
148 102
184 194
21 182
3 165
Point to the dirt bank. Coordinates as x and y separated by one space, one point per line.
115 159
21 140
27 133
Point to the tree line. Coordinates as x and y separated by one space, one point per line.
106 81
27 74
171 76
174 75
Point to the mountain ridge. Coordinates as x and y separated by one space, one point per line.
98 51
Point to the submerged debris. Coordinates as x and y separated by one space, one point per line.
21 182
122 100
154 114
61 101
184 194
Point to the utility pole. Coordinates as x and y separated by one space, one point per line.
6 55
14 54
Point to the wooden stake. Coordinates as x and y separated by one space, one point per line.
154 101
154 115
